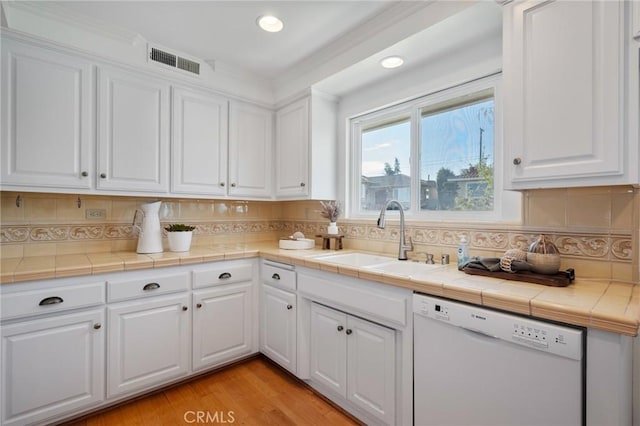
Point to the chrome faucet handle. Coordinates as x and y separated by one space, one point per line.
428 257
408 245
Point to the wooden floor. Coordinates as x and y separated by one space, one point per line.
253 392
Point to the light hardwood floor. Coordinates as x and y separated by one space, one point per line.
252 392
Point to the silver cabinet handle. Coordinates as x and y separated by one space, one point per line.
289 307
348 331
517 161
53 300
224 276
97 326
340 328
151 286
275 277
103 175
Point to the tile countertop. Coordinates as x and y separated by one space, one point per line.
605 305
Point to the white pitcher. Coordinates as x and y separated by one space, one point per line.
149 232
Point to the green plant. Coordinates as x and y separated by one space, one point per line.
179 227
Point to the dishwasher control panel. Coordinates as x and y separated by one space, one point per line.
532 333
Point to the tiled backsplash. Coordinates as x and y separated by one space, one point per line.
596 229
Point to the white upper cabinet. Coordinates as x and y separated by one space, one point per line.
199 143
306 149
292 160
565 94
133 132
47 118
250 150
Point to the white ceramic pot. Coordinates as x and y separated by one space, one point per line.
179 241
332 228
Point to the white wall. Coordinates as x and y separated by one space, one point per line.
469 63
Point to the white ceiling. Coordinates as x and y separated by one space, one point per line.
226 31
334 46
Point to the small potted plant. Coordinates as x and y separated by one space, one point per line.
179 236
330 210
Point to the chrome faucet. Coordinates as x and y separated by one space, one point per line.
403 247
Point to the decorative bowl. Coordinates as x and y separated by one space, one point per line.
542 263
299 244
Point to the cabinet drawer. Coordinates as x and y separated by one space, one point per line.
278 277
147 286
223 274
53 299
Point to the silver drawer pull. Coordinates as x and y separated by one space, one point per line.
151 286
53 300
224 276
275 277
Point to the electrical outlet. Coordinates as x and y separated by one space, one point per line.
95 213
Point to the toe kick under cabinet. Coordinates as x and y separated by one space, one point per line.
73 345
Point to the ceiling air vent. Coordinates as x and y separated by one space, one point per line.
187 65
174 61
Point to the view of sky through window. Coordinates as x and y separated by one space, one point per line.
455 145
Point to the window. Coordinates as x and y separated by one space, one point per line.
386 172
456 161
436 155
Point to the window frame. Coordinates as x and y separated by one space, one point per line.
413 108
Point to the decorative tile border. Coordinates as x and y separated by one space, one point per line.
109 231
592 246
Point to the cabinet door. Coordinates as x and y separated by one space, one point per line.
278 327
329 348
222 324
133 132
292 155
149 342
250 150
199 143
563 79
371 364
51 366
47 118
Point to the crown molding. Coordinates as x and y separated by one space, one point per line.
58 13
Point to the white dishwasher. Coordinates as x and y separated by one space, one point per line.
475 366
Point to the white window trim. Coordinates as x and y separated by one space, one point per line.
507 205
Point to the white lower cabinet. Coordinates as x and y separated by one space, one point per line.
278 326
222 324
51 366
356 359
149 341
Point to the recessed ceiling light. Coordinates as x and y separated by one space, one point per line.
392 62
270 23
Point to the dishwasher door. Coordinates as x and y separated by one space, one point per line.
474 366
